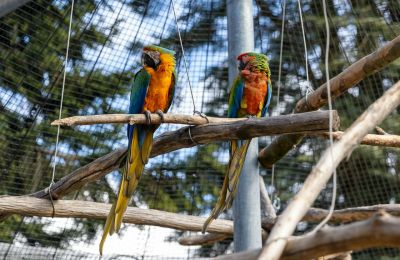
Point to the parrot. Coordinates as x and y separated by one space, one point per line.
152 91
249 96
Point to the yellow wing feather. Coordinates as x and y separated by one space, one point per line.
231 180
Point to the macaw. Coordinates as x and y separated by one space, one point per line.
152 91
250 96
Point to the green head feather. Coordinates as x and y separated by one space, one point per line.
259 62
159 49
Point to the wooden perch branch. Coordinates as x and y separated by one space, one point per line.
205 239
381 230
141 119
322 172
253 127
359 70
29 206
375 140
220 229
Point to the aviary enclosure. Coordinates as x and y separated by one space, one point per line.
80 57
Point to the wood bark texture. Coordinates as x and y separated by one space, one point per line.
141 119
30 206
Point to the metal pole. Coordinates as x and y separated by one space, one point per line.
7 6
246 206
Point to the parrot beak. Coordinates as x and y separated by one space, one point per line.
242 65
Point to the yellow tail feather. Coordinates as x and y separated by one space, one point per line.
229 187
136 160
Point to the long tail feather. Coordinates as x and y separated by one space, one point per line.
137 157
231 180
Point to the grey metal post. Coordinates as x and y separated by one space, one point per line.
7 6
246 206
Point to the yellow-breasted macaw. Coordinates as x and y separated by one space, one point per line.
249 96
152 91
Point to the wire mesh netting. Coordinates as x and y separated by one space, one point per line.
106 42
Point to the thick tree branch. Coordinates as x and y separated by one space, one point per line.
322 172
253 127
359 70
30 206
381 230
141 119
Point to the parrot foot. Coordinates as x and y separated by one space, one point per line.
161 114
148 116
251 116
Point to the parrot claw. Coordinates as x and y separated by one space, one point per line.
161 114
148 116
251 116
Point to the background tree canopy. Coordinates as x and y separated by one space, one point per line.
104 55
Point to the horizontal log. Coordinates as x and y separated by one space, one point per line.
203 239
141 119
373 140
381 230
356 72
310 122
30 206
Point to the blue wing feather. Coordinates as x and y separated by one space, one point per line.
138 95
267 99
235 97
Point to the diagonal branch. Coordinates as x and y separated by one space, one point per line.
322 172
359 70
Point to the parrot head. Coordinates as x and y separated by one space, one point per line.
253 61
152 55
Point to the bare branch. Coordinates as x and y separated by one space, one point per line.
386 140
339 85
141 119
30 206
205 239
322 172
381 230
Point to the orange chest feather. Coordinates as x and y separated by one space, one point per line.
254 92
158 92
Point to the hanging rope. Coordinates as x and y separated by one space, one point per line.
184 59
275 199
61 105
309 89
334 188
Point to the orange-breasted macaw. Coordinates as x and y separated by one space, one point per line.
249 96
152 91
